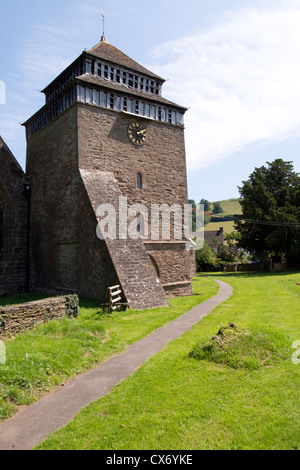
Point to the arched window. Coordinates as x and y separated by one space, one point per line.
1 233
139 181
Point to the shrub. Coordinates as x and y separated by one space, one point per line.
206 260
72 304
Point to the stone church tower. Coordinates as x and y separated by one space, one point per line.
105 133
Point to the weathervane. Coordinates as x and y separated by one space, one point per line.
103 19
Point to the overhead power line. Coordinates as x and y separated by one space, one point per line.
249 221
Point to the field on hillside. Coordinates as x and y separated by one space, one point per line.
230 207
227 226
227 384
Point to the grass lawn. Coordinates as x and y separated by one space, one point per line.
54 353
199 393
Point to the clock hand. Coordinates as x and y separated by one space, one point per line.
141 132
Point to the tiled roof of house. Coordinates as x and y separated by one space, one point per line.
211 235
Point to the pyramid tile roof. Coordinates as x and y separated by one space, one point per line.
106 51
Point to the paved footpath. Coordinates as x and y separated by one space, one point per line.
33 425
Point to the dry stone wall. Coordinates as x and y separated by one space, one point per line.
17 318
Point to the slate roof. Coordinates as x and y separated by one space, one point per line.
6 153
211 235
110 54
105 51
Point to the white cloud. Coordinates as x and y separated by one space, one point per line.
240 79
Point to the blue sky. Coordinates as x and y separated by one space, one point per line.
234 63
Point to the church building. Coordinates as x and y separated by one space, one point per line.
105 134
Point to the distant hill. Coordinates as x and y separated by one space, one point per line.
230 207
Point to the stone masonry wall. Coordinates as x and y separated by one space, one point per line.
174 263
14 205
103 145
52 164
65 254
95 267
131 262
17 318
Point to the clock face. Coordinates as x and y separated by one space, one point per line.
137 133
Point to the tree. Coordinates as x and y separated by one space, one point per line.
193 208
205 259
217 208
227 252
206 204
232 238
271 211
